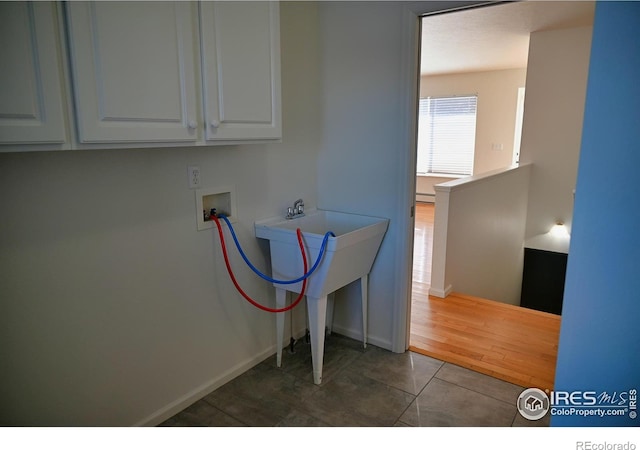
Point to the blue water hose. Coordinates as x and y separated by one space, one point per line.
266 277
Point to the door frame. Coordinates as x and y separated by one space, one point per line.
410 66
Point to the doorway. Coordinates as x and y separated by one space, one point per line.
447 329
472 79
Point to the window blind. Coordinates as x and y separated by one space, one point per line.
447 135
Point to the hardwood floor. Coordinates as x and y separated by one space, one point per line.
508 342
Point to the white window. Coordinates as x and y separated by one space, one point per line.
447 135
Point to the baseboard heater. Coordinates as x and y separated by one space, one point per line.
424 197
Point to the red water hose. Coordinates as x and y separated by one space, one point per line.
235 282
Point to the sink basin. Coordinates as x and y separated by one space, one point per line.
348 257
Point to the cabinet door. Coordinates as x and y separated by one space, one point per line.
241 69
133 70
31 108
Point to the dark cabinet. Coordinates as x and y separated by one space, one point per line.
543 280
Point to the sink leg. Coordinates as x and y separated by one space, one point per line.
330 304
364 289
317 321
281 299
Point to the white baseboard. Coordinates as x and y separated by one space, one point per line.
357 335
205 389
196 394
441 293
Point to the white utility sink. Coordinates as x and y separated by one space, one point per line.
348 256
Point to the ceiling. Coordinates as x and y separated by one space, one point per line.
493 37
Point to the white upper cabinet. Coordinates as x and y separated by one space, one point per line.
105 74
31 100
134 71
240 45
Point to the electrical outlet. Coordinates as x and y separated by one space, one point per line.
194 176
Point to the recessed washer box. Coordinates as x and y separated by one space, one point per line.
220 198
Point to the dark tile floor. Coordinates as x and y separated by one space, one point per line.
360 387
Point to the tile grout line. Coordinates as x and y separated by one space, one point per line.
350 367
473 390
476 392
224 412
415 396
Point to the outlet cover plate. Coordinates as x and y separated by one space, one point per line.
193 172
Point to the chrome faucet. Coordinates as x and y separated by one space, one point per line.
297 210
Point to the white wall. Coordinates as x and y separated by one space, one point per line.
497 92
552 124
115 310
358 169
478 235
425 191
470 254
364 160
